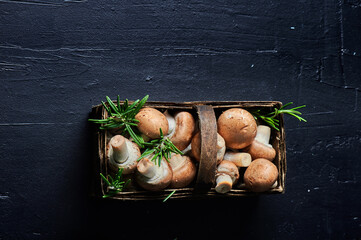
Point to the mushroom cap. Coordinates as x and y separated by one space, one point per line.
160 180
227 174
229 168
196 147
184 170
260 175
128 164
260 150
238 127
150 121
184 129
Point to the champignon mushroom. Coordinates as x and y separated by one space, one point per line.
260 175
240 159
260 147
227 174
150 121
151 176
238 127
122 153
181 128
196 147
184 170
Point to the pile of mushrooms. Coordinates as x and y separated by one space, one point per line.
178 172
247 147
241 144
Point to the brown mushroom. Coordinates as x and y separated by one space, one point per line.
240 159
122 153
196 147
151 176
260 175
260 147
150 121
238 127
227 174
181 128
184 170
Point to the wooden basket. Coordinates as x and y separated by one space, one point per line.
206 113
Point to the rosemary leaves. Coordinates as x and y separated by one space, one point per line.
161 147
270 118
116 184
123 117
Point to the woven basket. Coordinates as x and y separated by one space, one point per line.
203 186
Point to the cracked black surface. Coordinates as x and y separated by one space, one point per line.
60 57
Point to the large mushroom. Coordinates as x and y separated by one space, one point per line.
238 128
150 121
181 128
122 153
151 176
260 147
184 170
196 147
260 175
227 174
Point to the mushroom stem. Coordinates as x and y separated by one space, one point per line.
224 183
171 123
227 174
120 150
147 168
187 150
263 134
241 159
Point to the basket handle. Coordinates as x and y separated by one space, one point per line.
208 158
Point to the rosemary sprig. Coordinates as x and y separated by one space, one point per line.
270 118
123 117
161 147
115 185
165 199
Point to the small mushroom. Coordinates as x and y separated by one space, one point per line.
238 127
181 128
260 147
184 170
150 121
260 175
151 176
122 153
240 159
227 174
196 147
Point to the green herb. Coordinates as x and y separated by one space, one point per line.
115 185
165 199
270 118
123 117
161 147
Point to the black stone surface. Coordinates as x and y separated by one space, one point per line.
60 57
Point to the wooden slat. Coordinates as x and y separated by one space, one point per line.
208 158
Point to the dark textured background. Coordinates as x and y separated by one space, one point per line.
60 57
